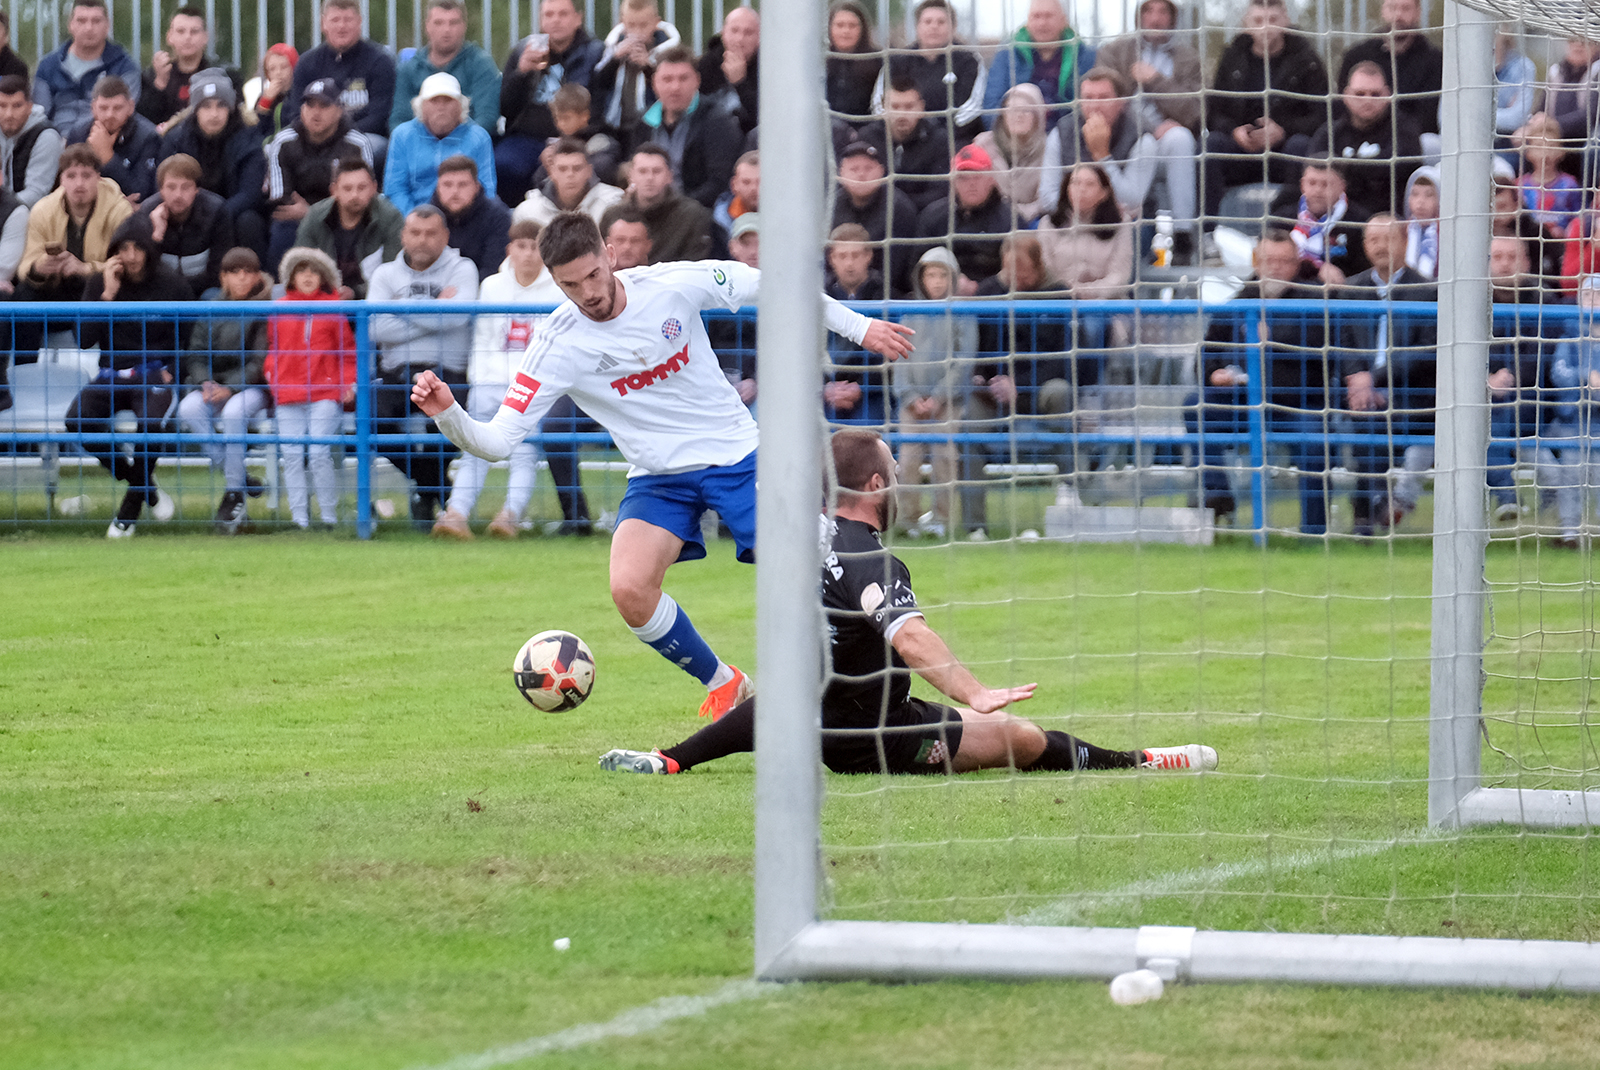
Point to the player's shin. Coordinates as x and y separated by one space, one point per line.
1064 753
670 632
735 733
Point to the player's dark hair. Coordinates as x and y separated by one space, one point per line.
458 162
856 458
111 85
567 237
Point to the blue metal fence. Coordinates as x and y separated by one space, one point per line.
1032 343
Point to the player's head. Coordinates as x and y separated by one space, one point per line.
572 249
862 472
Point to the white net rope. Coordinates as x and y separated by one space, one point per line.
1295 644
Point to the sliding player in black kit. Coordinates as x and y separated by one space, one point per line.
870 721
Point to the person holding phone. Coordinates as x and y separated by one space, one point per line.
561 53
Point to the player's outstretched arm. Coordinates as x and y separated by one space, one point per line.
888 339
431 394
928 654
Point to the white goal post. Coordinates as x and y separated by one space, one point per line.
791 943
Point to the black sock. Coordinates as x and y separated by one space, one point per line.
734 734
1064 753
132 503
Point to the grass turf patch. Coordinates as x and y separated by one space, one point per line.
237 773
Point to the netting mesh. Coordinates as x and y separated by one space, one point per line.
1193 501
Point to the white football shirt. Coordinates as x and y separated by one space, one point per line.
649 376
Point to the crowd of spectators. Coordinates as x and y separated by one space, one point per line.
1035 169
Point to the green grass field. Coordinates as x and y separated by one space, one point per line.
273 802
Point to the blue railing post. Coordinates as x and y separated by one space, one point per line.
1255 391
363 428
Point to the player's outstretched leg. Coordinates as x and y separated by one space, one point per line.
1067 754
735 733
640 555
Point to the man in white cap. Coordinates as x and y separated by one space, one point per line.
449 52
441 129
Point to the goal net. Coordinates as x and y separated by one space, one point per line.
1389 640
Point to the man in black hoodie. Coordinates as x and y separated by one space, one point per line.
190 225
480 226
730 71
166 81
138 365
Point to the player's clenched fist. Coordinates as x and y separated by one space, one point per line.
431 394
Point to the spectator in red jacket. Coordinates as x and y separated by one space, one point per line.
311 364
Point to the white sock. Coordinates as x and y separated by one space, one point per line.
660 622
721 676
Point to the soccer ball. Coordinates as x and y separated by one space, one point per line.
554 671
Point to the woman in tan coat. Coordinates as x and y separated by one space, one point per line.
1086 242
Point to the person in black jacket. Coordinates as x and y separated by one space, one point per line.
302 160
948 76
1389 367
915 148
1267 89
882 209
528 86
973 220
364 71
730 74
166 87
1295 386
126 142
1380 145
701 140
854 62
226 142
1413 65
480 226
138 365
189 225
1326 225
10 62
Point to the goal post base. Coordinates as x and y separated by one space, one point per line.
919 951
1528 808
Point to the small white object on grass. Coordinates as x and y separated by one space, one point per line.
565 942
384 507
74 506
1136 986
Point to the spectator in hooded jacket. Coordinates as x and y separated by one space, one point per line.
528 87
479 223
356 226
66 78
138 367
449 52
1267 89
622 78
29 146
189 225
1016 148
930 390
302 158
701 140
223 138
364 72
225 366
1163 69
730 75
955 104
440 130
1045 53
426 270
126 142
311 364
166 82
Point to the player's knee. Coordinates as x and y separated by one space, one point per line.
1027 742
636 601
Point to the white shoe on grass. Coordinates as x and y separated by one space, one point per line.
165 508
637 761
120 529
1190 756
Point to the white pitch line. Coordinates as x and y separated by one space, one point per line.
1075 908
629 1023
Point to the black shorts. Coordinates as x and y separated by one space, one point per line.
916 737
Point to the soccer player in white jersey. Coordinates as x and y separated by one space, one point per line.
631 349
